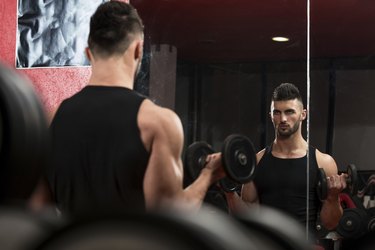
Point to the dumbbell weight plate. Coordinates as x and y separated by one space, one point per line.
371 223
352 179
195 157
239 160
353 223
276 227
167 229
322 185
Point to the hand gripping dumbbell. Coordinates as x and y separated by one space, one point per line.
238 159
351 181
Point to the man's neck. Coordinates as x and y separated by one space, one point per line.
290 147
110 73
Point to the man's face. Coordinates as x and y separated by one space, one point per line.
287 116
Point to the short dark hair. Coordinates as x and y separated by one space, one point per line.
112 28
285 92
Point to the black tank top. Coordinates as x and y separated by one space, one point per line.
281 184
98 159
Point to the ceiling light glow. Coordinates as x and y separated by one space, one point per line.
280 39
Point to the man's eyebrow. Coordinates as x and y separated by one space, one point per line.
288 110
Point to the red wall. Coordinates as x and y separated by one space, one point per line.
51 84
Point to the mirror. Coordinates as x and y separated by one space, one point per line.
226 63
342 74
216 65
342 87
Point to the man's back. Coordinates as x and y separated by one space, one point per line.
98 158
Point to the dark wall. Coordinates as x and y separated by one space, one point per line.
235 98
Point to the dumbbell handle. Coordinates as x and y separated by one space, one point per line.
348 180
202 161
240 156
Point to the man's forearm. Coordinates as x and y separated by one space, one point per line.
331 213
236 204
196 192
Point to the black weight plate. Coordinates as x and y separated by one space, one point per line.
206 229
276 227
24 137
21 229
239 159
195 157
229 185
353 223
371 224
322 185
352 179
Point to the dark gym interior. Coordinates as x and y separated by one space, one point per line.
215 64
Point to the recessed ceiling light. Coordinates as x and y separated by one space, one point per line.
280 39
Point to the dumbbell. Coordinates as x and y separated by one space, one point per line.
351 181
353 223
238 159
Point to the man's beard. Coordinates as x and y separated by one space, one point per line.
288 131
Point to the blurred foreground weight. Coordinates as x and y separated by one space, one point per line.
23 137
238 159
206 229
351 181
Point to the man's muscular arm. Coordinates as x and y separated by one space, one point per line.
331 211
249 195
162 135
249 198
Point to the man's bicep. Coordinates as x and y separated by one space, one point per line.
328 164
249 193
163 178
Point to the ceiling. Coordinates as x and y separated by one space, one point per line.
241 30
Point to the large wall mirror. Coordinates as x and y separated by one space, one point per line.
342 74
216 63
342 87
226 64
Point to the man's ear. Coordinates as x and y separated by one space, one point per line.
138 50
88 54
303 114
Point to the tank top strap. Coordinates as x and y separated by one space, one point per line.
269 149
312 155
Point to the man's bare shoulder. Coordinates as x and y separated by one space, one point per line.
155 120
155 114
326 162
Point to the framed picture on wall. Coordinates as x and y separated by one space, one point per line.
53 33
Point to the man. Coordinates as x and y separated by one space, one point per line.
281 181
113 148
